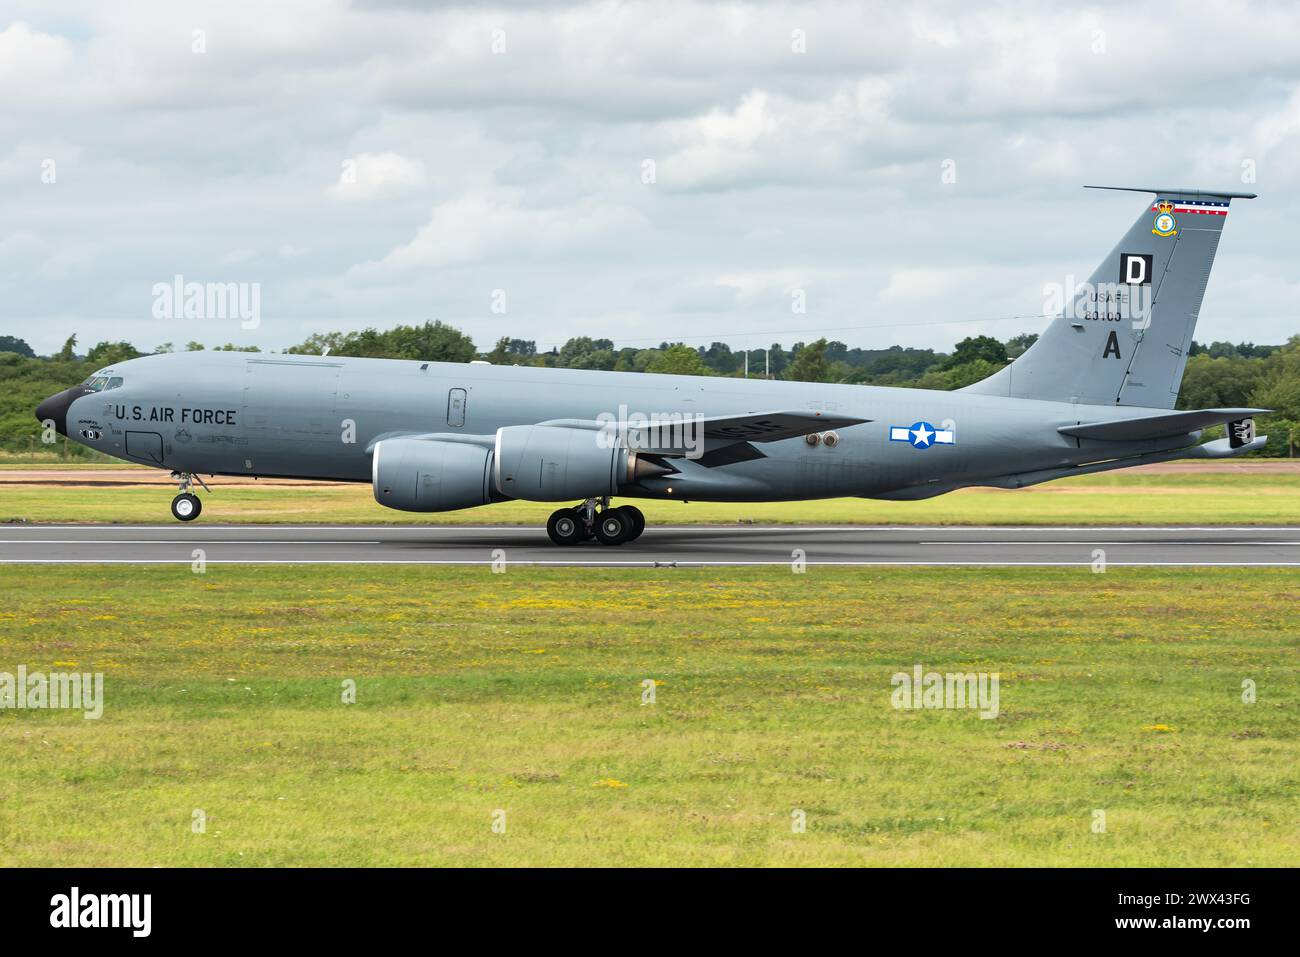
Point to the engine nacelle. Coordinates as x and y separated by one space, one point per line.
543 463
418 476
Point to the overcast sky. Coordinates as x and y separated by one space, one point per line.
369 163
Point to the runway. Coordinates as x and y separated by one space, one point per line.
677 546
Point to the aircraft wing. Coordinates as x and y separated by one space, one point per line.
772 426
1157 426
726 439
749 427
718 431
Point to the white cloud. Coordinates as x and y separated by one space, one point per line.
29 58
774 285
910 285
470 228
521 170
767 138
376 176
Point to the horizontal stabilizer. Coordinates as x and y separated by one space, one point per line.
1157 426
1190 192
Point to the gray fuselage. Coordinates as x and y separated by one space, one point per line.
287 415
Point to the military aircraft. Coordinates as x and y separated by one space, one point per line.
1096 392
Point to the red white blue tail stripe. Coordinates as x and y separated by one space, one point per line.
1203 207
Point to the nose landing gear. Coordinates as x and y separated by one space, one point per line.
186 506
609 526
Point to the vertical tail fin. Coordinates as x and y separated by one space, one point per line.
1123 337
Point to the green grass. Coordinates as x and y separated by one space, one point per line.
57 463
45 458
522 692
1133 499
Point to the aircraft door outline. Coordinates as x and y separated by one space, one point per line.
147 446
456 408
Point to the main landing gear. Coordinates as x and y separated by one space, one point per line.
186 506
609 526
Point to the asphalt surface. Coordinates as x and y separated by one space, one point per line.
660 545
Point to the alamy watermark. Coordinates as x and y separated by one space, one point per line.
179 299
1128 300
932 689
56 690
133 912
668 431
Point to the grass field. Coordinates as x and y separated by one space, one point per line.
1135 498
523 691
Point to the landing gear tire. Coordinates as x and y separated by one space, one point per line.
637 519
186 507
614 526
565 527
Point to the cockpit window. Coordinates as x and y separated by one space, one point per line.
96 383
113 383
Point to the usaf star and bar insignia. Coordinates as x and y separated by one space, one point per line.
922 435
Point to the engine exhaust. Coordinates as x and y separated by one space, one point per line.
639 467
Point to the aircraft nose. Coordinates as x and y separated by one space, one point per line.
55 408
